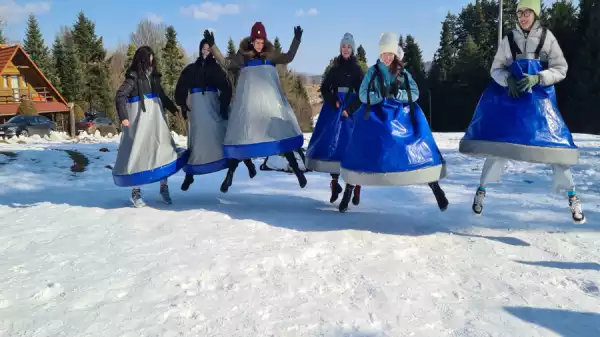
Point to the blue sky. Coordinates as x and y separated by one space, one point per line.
324 22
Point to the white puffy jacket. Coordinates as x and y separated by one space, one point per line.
551 52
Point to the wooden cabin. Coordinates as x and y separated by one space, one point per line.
21 79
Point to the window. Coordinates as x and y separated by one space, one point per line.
24 82
17 119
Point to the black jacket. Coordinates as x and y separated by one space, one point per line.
342 73
135 86
201 74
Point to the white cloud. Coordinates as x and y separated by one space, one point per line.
154 18
210 11
310 12
12 12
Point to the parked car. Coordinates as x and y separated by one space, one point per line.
102 124
27 125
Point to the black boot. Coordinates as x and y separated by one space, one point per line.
346 198
336 188
356 197
291 158
251 168
189 179
233 164
440 196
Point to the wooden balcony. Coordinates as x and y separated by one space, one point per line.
16 96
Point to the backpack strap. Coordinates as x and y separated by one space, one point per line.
377 74
538 50
514 48
411 103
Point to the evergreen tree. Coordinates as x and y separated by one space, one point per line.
231 51
58 62
361 56
36 48
2 37
91 55
277 44
173 61
130 52
70 72
413 61
401 42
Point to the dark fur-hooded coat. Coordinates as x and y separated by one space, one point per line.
247 53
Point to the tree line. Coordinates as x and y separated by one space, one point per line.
78 65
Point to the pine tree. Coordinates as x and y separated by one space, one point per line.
58 62
2 37
173 61
445 55
361 57
401 42
91 55
413 61
277 44
130 53
231 48
70 72
36 48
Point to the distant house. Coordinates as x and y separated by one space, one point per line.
21 79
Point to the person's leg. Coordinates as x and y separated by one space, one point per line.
439 194
492 171
251 168
346 198
335 187
291 158
136 197
233 164
164 192
356 197
189 180
563 180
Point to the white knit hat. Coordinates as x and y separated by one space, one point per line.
389 44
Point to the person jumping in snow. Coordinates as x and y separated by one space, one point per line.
206 85
517 117
261 121
392 144
339 88
147 152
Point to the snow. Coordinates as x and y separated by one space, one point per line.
271 259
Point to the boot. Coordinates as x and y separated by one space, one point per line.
356 197
291 158
336 189
164 193
440 196
576 210
233 164
346 198
136 198
251 168
189 179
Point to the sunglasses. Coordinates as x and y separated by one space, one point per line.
527 13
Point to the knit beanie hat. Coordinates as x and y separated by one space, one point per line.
348 39
389 44
534 5
258 31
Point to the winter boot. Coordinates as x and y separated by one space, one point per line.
478 201
228 181
189 179
346 198
164 193
356 197
291 158
251 168
336 189
440 196
136 198
576 210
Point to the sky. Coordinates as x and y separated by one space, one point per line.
324 22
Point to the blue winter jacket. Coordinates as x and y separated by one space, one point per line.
401 95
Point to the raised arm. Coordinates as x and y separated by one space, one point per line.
285 58
234 62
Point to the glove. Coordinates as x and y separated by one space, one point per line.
513 88
209 37
298 33
225 112
528 82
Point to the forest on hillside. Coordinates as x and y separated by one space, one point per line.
79 66
450 86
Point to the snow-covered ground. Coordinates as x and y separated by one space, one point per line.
270 259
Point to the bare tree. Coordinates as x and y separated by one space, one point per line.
116 65
150 34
